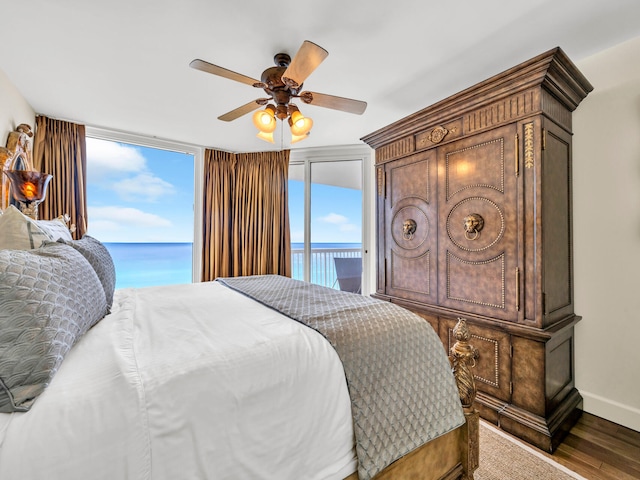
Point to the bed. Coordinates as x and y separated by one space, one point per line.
247 378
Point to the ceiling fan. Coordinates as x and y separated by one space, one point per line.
283 83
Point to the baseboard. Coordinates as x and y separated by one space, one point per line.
611 410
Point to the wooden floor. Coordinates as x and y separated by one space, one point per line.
600 450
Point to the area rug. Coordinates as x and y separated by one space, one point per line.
503 457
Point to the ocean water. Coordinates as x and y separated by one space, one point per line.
152 264
314 246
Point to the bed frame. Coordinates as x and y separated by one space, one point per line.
454 455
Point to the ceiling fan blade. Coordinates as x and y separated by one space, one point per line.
243 110
222 72
306 60
337 103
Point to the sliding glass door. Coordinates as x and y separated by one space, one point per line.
325 207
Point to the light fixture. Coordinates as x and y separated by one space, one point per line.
300 125
298 138
29 189
267 137
264 120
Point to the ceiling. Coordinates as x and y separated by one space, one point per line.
124 64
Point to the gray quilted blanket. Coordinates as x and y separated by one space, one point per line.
402 391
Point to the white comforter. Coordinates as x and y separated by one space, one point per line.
188 382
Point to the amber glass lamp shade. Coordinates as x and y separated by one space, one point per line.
299 124
264 120
267 137
298 138
29 188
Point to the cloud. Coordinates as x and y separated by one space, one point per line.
118 218
123 169
340 221
143 187
107 157
334 218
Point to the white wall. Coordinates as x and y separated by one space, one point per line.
14 109
606 180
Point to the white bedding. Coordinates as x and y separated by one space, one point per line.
188 382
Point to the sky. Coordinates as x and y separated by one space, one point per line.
142 194
336 213
139 194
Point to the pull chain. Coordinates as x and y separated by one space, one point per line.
282 135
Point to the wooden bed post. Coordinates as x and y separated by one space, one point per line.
463 357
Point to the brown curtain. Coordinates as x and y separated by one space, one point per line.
246 215
60 149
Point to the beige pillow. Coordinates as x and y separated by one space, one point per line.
56 229
19 232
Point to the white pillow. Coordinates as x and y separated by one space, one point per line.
19 232
56 229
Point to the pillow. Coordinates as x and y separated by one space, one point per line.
56 229
49 297
19 232
100 259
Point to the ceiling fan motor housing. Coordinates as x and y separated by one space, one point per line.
282 59
274 86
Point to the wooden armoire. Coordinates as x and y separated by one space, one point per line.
474 221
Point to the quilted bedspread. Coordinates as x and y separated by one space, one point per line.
399 378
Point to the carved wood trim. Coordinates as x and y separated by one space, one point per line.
380 182
528 145
435 135
504 111
463 357
397 149
556 111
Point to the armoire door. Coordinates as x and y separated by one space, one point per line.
411 232
478 222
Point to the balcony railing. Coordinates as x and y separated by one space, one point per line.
323 270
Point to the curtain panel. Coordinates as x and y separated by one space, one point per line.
246 214
60 149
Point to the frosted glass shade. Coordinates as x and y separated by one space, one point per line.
267 137
300 125
298 138
264 120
